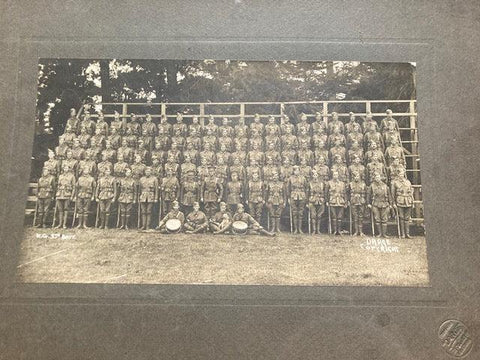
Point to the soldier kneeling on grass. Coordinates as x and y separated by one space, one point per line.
221 222
253 227
196 221
175 213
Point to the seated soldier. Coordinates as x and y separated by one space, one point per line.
222 220
253 226
175 213
196 221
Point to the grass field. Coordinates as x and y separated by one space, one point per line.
112 256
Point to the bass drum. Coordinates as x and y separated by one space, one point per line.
173 225
239 227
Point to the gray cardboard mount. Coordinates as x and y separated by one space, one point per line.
57 321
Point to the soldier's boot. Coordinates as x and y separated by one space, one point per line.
314 227
121 224
318 227
127 220
402 228
407 230
85 221
360 227
277 225
65 218
295 225
339 227
80 221
384 230
60 220
107 218
149 220
43 220
379 229
38 220
144 222
102 220
300 223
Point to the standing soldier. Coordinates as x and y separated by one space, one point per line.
335 123
61 149
241 130
77 151
355 151
358 192
374 150
319 141
208 154
349 127
102 124
192 152
376 166
395 150
69 136
164 132
87 123
203 170
195 128
303 127
388 120
305 168
234 190
189 192
396 169
117 124
286 127
272 129
126 152
148 196
338 150
369 122
196 221
138 168
120 168
270 168
158 152
224 154
316 201
225 130
71 163
45 196
340 168
84 139
222 220
110 152
372 136
127 197
297 194
88 165
239 169
64 195
115 139
272 150
84 195
322 169
106 193
104 165
187 167
356 167
72 122
390 134
355 134
174 213
149 131
255 196
134 126
131 138
142 151
276 201
319 126
336 194
212 192
380 201
221 171
402 193
169 190
211 129
256 154
286 170
336 137
256 128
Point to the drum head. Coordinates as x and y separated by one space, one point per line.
239 227
173 225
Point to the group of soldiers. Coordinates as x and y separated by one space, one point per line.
177 169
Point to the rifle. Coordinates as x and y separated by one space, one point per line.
398 222
329 221
291 217
35 213
74 214
54 214
138 207
371 218
96 216
118 214
309 222
350 214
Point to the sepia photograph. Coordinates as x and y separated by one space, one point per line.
225 172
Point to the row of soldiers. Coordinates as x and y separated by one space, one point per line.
261 171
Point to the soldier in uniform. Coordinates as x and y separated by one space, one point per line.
390 134
109 152
138 168
253 225
319 126
297 186
225 130
102 124
169 190
88 124
178 140
84 139
305 149
336 137
164 133
355 134
349 127
256 128
335 123
316 201
241 130
356 167
211 128
88 165
272 150
376 166
115 139
126 152
72 122
288 139
305 168
373 149
106 193
69 137
187 167
322 168
286 170
120 167
117 124
222 220
256 155
212 192
224 154
221 171
355 151
71 163
195 128
340 167
192 152
104 165
142 151
239 169
203 170
380 201
64 195
196 221
387 120
45 195
319 141
174 213
369 122
209 141
61 149
127 197
52 164
131 138
189 191
234 191
149 131
148 196
133 127
394 150
303 127
255 195
336 195
358 191
402 193
77 151
270 168
272 129
286 127
372 136
396 169
338 150
84 195
276 195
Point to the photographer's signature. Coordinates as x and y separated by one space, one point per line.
379 245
